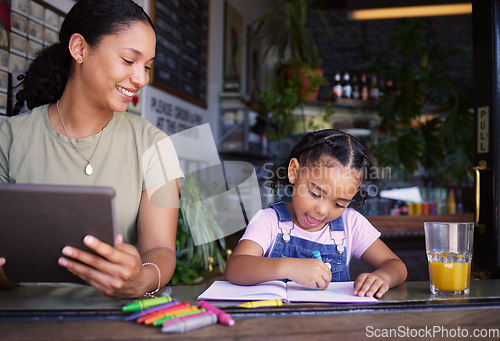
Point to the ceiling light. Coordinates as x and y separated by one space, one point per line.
410 12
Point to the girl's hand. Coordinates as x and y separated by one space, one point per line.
369 285
311 273
4 282
116 274
389 271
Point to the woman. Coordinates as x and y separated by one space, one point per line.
77 132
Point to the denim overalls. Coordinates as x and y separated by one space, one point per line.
302 248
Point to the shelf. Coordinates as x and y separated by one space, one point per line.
350 112
235 134
347 103
413 225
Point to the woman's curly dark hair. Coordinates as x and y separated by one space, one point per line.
338 145
46 77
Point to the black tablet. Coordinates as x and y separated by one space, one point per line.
37 221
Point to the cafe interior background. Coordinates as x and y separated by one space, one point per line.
405 86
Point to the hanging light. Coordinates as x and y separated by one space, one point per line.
410 11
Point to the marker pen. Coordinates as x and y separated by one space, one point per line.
317 255
161 316
156 312
146 303
191 324
140 313
265 303
224 318
180 318
188 313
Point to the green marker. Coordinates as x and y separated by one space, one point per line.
186 313
146 303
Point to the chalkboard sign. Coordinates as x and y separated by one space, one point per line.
180 66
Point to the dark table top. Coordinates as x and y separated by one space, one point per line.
76 312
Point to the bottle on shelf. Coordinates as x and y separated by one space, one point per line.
396 209
460 200
364 88
418 208
411 208
346 86
355 88
425 208
381 92
440 199
426 194
374 89
389 86
451 202
432 201
264 144
403 208
337 87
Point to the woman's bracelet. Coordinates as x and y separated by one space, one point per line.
151 293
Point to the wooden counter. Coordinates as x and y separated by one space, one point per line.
80 313
410 225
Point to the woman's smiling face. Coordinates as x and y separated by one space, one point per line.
321 192
118 67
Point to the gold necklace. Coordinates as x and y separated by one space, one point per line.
88 168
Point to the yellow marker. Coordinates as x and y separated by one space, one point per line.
266 303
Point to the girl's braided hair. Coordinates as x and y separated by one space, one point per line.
338 145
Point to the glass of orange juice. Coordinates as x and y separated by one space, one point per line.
449 252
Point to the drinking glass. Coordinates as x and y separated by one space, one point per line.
449 253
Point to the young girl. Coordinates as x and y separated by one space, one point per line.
325 172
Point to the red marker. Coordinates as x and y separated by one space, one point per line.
223 317
169 309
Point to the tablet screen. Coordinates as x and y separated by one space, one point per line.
37 221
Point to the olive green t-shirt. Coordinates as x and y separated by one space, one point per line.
131 156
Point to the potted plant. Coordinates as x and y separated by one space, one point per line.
195 262
425 118
284 94
284 28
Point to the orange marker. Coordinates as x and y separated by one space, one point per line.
153 313
184 315
169 313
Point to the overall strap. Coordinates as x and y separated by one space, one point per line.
337 224
282 211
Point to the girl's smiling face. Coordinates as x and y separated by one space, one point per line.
322 191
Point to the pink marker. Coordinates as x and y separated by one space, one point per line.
222 316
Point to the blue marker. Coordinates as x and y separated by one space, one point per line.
317 255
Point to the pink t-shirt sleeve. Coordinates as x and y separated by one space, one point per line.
361 232
261 229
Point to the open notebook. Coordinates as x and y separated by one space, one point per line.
339 292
